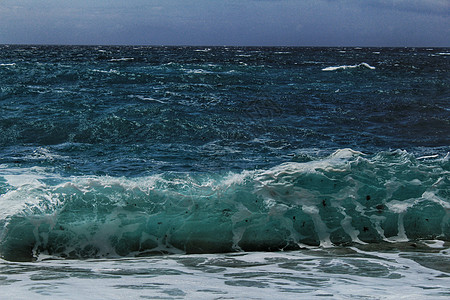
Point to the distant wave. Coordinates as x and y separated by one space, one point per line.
110 71
148 99
344 67
203 50
122 59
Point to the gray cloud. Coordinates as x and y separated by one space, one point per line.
438 7
227 22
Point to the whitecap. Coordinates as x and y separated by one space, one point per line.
444 53
365 65
203 50
435 244
428 156
149 99
111 71
197 71
8 65
122 59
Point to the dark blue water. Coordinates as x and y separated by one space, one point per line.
109 151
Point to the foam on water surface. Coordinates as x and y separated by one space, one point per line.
340 273
364 65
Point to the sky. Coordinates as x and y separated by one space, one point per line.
397 23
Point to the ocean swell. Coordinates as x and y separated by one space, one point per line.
342 199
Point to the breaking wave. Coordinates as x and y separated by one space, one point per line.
343 199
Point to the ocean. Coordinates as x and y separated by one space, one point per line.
132 172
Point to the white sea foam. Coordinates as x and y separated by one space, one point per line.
26 186
111 71
122 59
8 65
42 153
428 156
436 244
309 273
444 53
197 71
203 50
148 99
365 65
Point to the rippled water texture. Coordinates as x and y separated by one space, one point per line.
127 111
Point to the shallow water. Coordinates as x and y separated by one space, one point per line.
337 273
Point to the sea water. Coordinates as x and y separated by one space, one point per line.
224 172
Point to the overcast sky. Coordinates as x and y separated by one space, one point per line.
227 22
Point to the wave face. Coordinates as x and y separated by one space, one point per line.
342 199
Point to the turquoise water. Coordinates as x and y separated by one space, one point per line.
161 155
343 199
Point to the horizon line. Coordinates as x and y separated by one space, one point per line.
212 46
